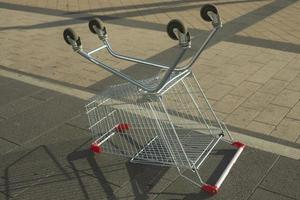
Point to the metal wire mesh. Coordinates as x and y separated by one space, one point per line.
177 127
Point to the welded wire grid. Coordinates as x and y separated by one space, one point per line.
177 128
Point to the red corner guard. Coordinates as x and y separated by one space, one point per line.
121 128
238 144
96 148
211 189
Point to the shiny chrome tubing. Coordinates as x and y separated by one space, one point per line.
132 59
180 68
118 73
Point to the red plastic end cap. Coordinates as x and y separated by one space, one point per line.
96 148
211 189
121 128
238 144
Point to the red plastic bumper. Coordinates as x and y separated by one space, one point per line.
211 189
96 148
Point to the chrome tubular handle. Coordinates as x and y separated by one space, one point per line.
124 76
176 31
132 59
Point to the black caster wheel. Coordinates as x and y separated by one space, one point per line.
96 22
175 23
205 9
71 33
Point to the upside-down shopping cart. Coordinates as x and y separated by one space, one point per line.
164 120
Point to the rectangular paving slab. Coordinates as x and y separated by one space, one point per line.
267 195
284 178
35 121
4 81
14 90
6 146
18 106
61 163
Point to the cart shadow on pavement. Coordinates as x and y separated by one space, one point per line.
96 170
141 177
17 178
107 175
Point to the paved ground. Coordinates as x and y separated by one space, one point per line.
250 73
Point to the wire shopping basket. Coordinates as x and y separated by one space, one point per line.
165 120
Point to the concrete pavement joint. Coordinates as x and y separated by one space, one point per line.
38 136
2 138
280 194
74 126
262 179
33 184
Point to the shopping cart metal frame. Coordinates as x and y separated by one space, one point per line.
153 90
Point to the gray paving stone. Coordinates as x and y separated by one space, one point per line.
288 129
263 58
147 183
284 178
2 196
267 195
287 98
61 135
218 91
4 81
245 174
235 78
40 179
35 121
228 104
14 90
245 89
294 84
27 169
5 146
61 141
260 127
87 176
249 67
295 112
278 63
62 167
45 95
87 188
286 74
273 86
241 117
258 101
11 109
80 121
272 114
263 75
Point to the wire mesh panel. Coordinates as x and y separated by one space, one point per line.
176 127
